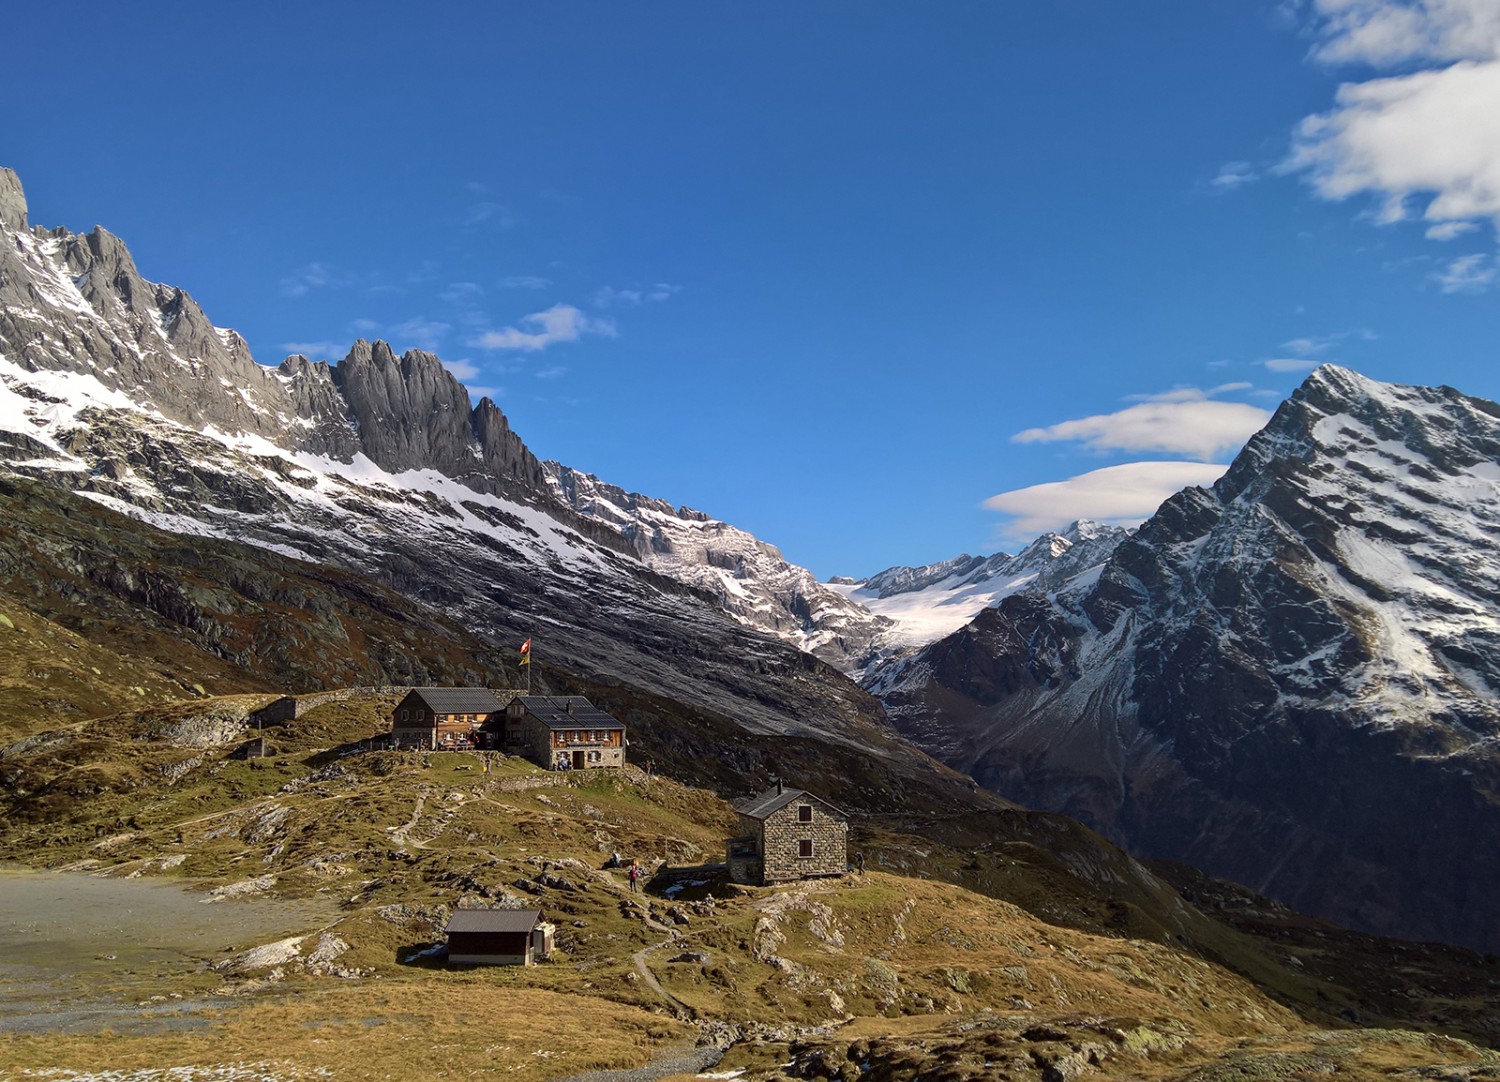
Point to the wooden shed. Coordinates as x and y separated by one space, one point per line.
498 937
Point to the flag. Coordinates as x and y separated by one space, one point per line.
526 652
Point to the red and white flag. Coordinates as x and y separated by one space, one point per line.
526 652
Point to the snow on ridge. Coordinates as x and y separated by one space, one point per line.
67 394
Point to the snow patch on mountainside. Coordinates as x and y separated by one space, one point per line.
929 603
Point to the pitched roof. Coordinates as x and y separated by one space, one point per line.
567 712
460 700
774 799
494 920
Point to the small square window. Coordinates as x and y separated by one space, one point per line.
804 847
804 813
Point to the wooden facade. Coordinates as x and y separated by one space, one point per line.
437 719
787 834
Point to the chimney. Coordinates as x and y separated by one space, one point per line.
779 787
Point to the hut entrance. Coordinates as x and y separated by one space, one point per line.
578 760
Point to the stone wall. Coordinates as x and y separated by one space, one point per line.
783 833
291 707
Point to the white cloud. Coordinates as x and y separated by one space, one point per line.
1433 133
551 372
422 333
489 213
1234 175
1449 230
1429 136
1183 421
318 351
462 293
1123 495
463 369
1383 32
560 323
1466 274
1318 344
1289 364
631 298
1189 394
303 281
525 281
1305 347
417 332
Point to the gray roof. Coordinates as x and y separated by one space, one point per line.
774 799
554 712
494 920
460 700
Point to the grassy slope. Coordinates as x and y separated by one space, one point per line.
389 840
102 612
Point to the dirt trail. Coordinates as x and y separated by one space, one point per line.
401 835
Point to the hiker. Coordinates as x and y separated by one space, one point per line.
635 873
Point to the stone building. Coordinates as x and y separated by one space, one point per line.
787 834
563 732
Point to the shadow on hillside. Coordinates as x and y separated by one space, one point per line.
689 883
426 955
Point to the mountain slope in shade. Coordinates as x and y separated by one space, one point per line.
1289 680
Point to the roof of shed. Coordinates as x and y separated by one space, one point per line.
553 711
774 799
460 700
494 920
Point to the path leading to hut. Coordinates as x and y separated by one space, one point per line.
400 834
680 1059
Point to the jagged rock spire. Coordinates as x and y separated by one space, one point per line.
12 201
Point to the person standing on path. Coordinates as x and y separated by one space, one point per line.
635 874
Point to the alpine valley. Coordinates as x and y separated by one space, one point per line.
1288 681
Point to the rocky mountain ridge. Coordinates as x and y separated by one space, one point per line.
748 578
121 390
1289 679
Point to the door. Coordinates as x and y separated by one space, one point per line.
578 760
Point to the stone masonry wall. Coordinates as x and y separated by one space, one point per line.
783 831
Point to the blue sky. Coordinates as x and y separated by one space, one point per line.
857 277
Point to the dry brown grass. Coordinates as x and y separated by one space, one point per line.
450 1025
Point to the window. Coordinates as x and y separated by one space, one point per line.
804 813
804 847
405 715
